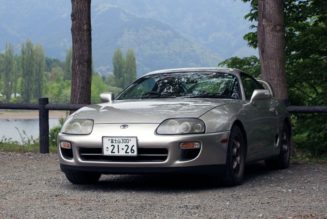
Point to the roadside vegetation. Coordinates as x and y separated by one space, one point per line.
306 69
28 75
28 143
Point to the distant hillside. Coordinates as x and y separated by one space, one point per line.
164 34
45 22
156 45
219 25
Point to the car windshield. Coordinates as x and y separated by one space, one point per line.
183 84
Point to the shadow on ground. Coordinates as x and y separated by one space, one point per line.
171 182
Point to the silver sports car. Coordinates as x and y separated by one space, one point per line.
178 120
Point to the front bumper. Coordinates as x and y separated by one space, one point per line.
211 154
206 169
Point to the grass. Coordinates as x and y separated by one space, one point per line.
19 148
301 156
28 143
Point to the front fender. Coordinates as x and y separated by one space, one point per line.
221 119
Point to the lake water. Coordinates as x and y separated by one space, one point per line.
17 130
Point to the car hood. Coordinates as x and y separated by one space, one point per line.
147 111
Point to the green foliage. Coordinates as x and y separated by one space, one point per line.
8 71
27 71
130 67
59 91
118 63
98 86
39 65
53 133
124 68
68 65
250 65
8 145
12 146
51 63
26 144
32 63
306 64
1 76
30 75
310 133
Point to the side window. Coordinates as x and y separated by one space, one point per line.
236 94
135 92
249 85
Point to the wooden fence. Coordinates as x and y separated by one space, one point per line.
44 107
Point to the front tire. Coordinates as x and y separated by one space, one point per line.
235 162
282 161
82 178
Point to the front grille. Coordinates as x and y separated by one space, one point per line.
143 155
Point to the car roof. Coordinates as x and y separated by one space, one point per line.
202 69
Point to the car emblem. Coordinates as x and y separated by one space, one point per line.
124 126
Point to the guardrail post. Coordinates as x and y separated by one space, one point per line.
44 125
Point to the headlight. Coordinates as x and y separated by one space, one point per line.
78 127
181 126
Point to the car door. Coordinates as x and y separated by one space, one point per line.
260 120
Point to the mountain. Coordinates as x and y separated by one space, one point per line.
44 22
217 24
156 45
164 34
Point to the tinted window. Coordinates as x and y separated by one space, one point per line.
249 85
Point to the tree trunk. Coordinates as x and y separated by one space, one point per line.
82 52
271 40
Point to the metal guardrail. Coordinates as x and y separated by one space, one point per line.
44 107
307 109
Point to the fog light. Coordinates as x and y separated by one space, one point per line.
65 145
190 145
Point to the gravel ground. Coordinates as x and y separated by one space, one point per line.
32 186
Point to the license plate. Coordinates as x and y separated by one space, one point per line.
120 146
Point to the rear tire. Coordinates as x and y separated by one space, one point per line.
82 178
235 162
282 160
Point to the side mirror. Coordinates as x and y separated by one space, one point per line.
260 95
107 97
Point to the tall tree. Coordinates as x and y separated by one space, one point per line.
1 71
306 64
82 51
68 65
27 65
8 71
130 67
250 65
16 75
305 48
39 66
271 42
118 63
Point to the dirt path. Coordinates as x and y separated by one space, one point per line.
31 186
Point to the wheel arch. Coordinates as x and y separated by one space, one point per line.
287 122
240 125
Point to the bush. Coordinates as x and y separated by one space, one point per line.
310 134
53 133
